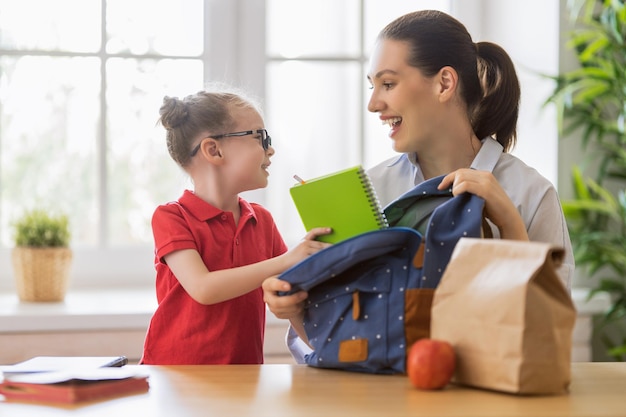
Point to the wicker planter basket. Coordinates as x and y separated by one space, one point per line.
41 274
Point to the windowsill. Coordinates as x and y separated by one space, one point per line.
121 309
107 309
81 310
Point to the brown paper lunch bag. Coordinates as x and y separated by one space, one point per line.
509 317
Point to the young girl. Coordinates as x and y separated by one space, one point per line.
213 249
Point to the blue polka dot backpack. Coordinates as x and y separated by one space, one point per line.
370 296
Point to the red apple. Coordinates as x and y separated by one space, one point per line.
430 363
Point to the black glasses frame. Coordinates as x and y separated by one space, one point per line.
266 139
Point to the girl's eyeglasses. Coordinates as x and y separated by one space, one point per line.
264 137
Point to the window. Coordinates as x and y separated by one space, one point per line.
79 100
78 112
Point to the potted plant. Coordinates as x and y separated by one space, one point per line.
41 256
591 104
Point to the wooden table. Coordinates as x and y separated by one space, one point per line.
597 389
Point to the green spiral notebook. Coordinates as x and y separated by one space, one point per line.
344 200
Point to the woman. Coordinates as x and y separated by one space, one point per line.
452 107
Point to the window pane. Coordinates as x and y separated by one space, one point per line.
48 140
312 28
314 127
141 174
48 25
162 27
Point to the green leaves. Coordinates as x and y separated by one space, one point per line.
597 222
37 228
592 98
591 102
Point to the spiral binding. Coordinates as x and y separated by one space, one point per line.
381 219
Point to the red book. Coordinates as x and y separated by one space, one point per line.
74 386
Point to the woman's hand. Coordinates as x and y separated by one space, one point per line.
283 306
499 208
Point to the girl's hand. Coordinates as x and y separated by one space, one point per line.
317 231
292 306
499 208
308 246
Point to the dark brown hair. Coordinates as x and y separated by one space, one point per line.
204 111
488 81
